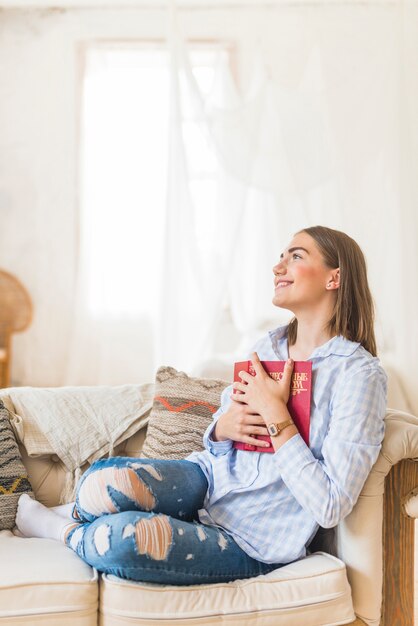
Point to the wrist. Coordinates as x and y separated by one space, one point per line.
284 436
276 428
277 412
216 436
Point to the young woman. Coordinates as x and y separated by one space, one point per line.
224 513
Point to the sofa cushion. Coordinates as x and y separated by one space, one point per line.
306 592
45 582
13 476
183 407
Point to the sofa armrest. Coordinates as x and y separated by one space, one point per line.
398 546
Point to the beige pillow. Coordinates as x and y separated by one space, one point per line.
183 408
13 476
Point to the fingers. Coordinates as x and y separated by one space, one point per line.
252 438
253 418
287 372
242 410
239 397
255 430
259 369
257 442
241 424
245 376
239 386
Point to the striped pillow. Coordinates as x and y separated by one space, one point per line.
13 476
183 408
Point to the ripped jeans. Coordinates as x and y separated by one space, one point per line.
138 520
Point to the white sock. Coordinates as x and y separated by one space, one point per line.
64 510
33 519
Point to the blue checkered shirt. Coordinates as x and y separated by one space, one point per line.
273 504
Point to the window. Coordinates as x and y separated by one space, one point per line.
124 168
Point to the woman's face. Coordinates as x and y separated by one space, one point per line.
301 278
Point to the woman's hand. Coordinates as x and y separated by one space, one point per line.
239 423
261 393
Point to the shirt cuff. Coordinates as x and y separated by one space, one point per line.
217 448
293 456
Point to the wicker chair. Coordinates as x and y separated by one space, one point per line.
15 316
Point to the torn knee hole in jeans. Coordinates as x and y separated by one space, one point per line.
94 498
150 469
101 539
76 537
153 536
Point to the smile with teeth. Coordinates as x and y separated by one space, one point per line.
283 283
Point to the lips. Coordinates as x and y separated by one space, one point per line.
281 284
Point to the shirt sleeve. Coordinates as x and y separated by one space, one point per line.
329 487
218 448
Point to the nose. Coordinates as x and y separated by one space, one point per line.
279 268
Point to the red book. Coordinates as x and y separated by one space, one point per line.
299 404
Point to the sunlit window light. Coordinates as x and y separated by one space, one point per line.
124 160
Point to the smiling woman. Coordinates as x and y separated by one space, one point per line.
212 516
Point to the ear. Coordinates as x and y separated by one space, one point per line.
333 280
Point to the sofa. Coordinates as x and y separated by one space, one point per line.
361 572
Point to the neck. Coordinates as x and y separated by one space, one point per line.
312 332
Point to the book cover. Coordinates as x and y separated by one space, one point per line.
299 404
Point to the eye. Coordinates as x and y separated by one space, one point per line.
295 255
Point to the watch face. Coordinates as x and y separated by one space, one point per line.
272 430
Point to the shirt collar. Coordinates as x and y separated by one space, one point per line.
337 345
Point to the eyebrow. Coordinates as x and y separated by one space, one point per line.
293 249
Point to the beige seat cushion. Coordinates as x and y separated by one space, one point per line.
306 592
44 582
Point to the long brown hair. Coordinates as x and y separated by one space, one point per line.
353 316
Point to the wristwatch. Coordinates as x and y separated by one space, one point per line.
275 429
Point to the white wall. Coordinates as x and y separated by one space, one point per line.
39 96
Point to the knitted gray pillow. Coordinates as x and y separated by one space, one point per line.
13 476
183 408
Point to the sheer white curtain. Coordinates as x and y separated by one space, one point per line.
122 195
151 279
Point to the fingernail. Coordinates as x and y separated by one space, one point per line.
289 361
